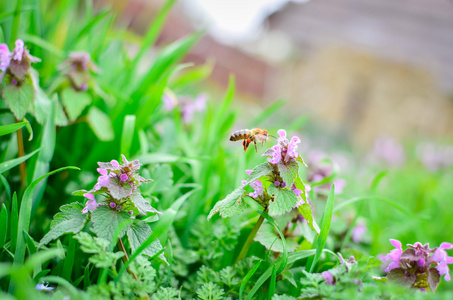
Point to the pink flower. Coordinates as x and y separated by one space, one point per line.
328 277
441 256
357 233
91 204
19 50
291 152
258 189
115 163
394 255
249 172
276 155
169 101
123 177
5 57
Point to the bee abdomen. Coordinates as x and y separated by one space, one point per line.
242 134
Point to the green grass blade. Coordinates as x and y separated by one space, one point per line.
25 214
247 278
325 227
152 33
7 129
375 198
3 226
43 44
14 223
32 250
127 134
88 27
69 259
284 257
272 283
269 111
159 231
377 179
5 166
6 186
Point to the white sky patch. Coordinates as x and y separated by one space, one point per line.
232 21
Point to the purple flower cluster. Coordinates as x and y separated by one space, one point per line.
285 151
188 106
77 68
18 62
119 181
389 151
435 157
420 260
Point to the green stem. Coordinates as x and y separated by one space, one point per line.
249 241
16 22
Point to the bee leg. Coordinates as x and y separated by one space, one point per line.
256 148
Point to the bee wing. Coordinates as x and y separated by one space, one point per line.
260 138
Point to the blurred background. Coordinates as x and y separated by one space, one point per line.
361 69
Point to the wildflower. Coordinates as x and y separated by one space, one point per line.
328 277
441 256
358 232
434 157
44 286
394 255
91 204
276 155
258 189
77 68
285 150
389 151
276 183
291 152
249 172
169 101
189 107
296 190
18 62
112 204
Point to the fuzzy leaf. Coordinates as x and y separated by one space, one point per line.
433 278
399 276
118 190
18 98
142 204
233 204
306 212
105 260
409 254
267 237
101 124
43 106
74 102
259 171
301 186
289 171
70 219
229 276
106 220
301 160
20 68
166 293
284 200
163 179
137 234
89 244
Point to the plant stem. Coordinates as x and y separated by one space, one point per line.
249 241
21 152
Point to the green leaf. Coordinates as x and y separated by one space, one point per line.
101 124
306 212
18 98
284 200
269 238
301 160
5 166
14 223
233 204
228 275
106 220
7 129
74 102
289 171
70 219
3 225
137 234
301 186
272 283
142 205
433 278
259 171
118 190
210 291
25 214
127 134
166 293
163 179
325 227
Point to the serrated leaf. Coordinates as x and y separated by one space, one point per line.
228 275
101 124
106 220
301 160
267 237
142 204
399 276
118 190
289 171
233 204
259 171
210 291
106 259
284 200
268 152
70 219
301 186
137 234
43 106
89 244
74 102
18 98
306 212
433 278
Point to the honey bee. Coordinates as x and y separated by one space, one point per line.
249 136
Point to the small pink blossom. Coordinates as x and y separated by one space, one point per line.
258 189
249 172
276 155
19 50
91 204
394 255
328 277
